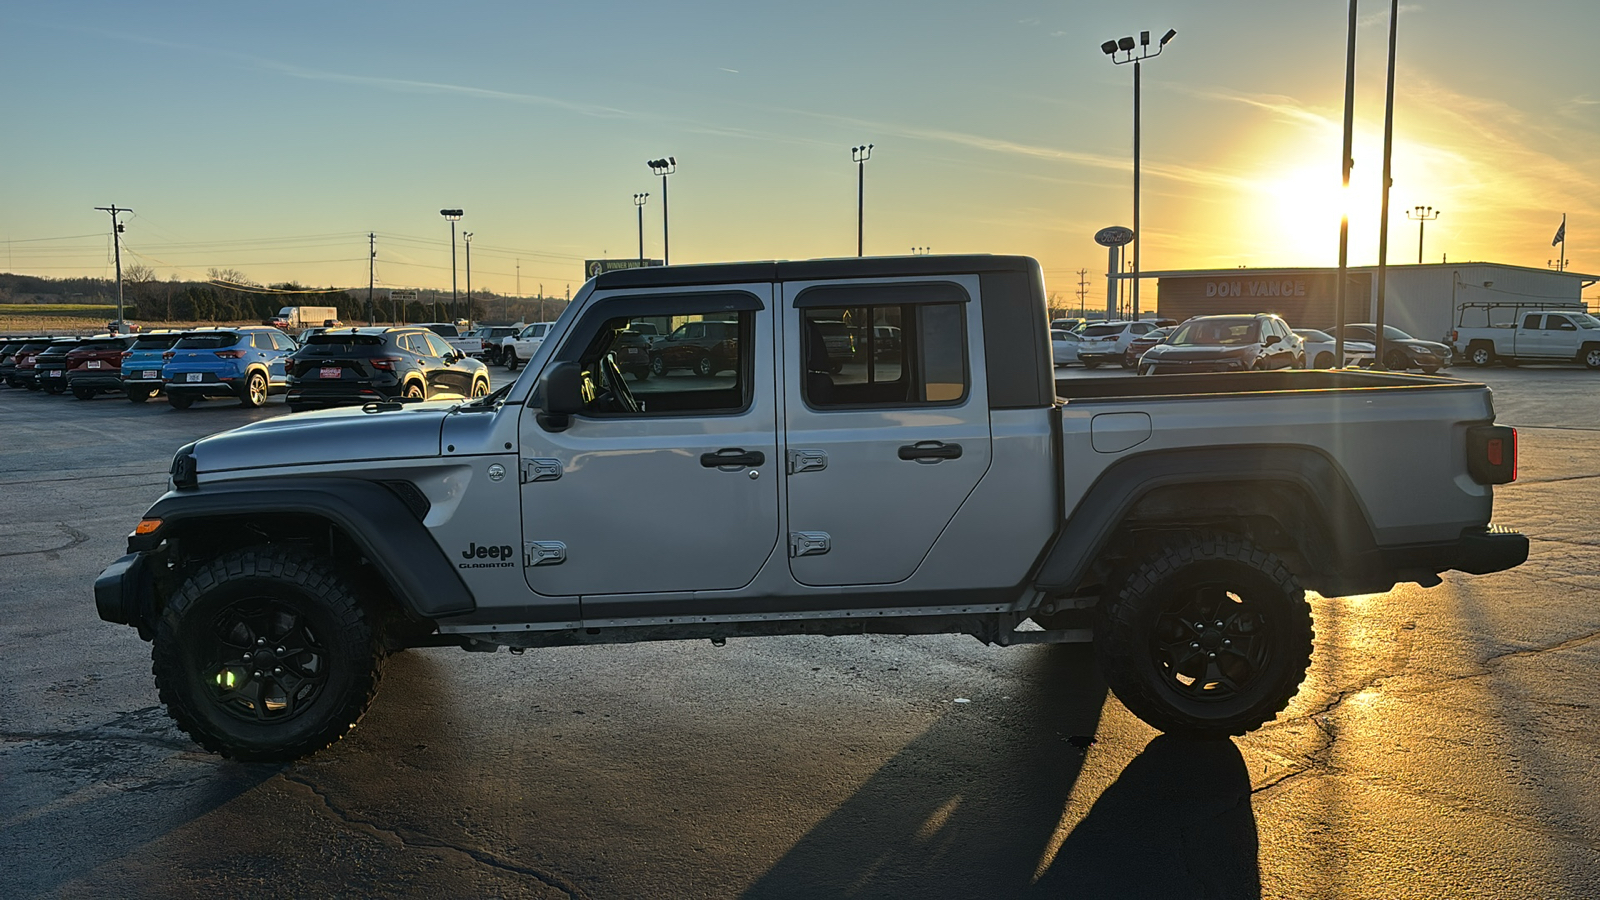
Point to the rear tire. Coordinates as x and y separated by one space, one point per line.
139 393
706 368
83 393
1164 654
658 367
1090 365
1480 355
55 388
511 359
254 395
265 654
180 401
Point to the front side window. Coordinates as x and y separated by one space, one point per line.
911 354
703 367
436 346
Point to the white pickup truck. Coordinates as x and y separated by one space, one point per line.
1534 335
521 347
939 482
463 341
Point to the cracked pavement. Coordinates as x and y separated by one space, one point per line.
1444 743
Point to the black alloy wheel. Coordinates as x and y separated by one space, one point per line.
265 654
1207 637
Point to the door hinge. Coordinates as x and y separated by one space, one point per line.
544 553
540 470
807 461
809 543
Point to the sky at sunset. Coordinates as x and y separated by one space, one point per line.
271 138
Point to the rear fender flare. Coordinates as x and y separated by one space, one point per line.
1108 504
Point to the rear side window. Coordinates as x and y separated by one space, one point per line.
436 346
897 355
208 341
155 342
1103 330
1531 322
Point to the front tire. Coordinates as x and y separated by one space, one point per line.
1209 636
1396 361
1087 364
264 654
480 388
1324 361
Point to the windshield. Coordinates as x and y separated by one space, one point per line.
206 341
1311 334
1215 332
1586 321
1391 333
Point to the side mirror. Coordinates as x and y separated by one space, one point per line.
562 389
1273 339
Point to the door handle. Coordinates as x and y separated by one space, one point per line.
934 450
733 457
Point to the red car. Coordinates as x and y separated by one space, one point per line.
95 366
704 348
1143 342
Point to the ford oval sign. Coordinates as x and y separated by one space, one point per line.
1114 236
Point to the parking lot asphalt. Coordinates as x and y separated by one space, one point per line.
1444 743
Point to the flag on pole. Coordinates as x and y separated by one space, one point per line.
1561 233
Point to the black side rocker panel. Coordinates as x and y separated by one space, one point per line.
1108 502
372 515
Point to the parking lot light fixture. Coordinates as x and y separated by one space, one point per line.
664 167
859 156
1422 215
639 201
466 237
1125 46
454 215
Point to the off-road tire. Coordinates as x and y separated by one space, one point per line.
330 621
1145 636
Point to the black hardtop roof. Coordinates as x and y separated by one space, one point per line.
812 270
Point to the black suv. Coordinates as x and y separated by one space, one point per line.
347 366
50 368
9 348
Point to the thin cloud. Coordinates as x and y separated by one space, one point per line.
726 69
1379 18
404 85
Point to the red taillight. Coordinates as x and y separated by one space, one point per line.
1492 454
230 354
384 363
168 354
1454 335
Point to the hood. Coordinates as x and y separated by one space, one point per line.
330 436
1202 352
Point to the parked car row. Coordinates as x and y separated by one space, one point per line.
1236 342
334 366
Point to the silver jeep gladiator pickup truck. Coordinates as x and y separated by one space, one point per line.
931 477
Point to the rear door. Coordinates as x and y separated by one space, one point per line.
883 449
670 489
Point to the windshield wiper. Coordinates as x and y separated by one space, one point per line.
488 401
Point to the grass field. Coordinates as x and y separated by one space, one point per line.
57 323
59 310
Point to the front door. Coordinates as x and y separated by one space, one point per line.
663 483
887 430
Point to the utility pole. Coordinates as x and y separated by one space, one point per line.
372 257
519 279
116 242
1340 316
1083 290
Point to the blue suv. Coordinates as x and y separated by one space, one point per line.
247 363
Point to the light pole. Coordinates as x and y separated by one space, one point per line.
859 156
664 167
1345 162
1378 360
1422 215
1125 45
454 215
639 202
466 236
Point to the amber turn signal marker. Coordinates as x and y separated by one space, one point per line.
146 526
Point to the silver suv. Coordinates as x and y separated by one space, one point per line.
1107 342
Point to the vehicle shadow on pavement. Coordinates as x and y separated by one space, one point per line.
1176 822
982 834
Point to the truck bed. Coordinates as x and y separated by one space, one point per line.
1278 381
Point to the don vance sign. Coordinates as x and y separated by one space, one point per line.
1257 288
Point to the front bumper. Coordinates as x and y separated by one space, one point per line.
124 592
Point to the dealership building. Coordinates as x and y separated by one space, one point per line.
1420 300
